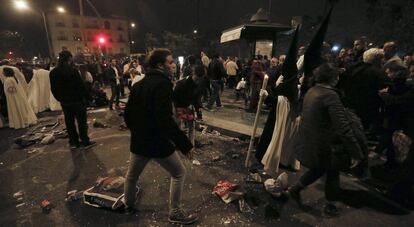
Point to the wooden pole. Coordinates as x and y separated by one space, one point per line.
256 120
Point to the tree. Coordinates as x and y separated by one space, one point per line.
180 44
392 20
151 41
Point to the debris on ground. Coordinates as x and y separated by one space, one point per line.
196 162
18 194
74 195
98 124
107 193
244 207
216 158
123 127
278 186
48 139
228 191
254 178
20 205
31 151
46 206
235 156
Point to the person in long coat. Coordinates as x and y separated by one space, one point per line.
323 123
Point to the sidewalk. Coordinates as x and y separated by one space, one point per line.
232 119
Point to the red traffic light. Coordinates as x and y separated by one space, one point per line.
101 40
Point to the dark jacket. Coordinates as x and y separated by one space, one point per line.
148 114
67 85
399 107
111 75
360 85
216 70
323 122
186 93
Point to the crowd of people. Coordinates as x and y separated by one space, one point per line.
372 81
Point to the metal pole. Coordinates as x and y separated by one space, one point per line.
81 23
51 54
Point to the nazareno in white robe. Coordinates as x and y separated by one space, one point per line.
20 112
19 76
39 90
271 159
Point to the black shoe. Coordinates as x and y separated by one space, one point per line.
182 218
88 145
130 210
74 147
295 195
330 210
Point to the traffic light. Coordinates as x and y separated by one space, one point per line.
101 40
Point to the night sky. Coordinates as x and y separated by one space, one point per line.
180 16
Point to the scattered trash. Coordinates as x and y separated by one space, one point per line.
196 162
235 156
278 186
228 191
123 127
216 158
244 207
74 195
98 124
254 178
18 194
107 193
46 206
19 200
49 139
20 205
33 151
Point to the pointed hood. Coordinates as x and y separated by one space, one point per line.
289 86
313 53
289 68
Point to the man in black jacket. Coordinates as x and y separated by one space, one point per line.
114 76
155 135
216 73
68 88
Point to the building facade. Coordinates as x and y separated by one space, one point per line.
107 36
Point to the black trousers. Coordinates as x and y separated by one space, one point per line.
76 111
232 82
332 190
115 94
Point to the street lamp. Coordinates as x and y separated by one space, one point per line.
132 25
195 31
21 5
60 9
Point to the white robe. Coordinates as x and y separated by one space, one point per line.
271 159
39 90
54 104
20 112
19 76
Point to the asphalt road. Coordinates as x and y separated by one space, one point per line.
45 173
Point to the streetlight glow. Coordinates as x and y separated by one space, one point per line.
60 9
195 31
21 5
133 25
